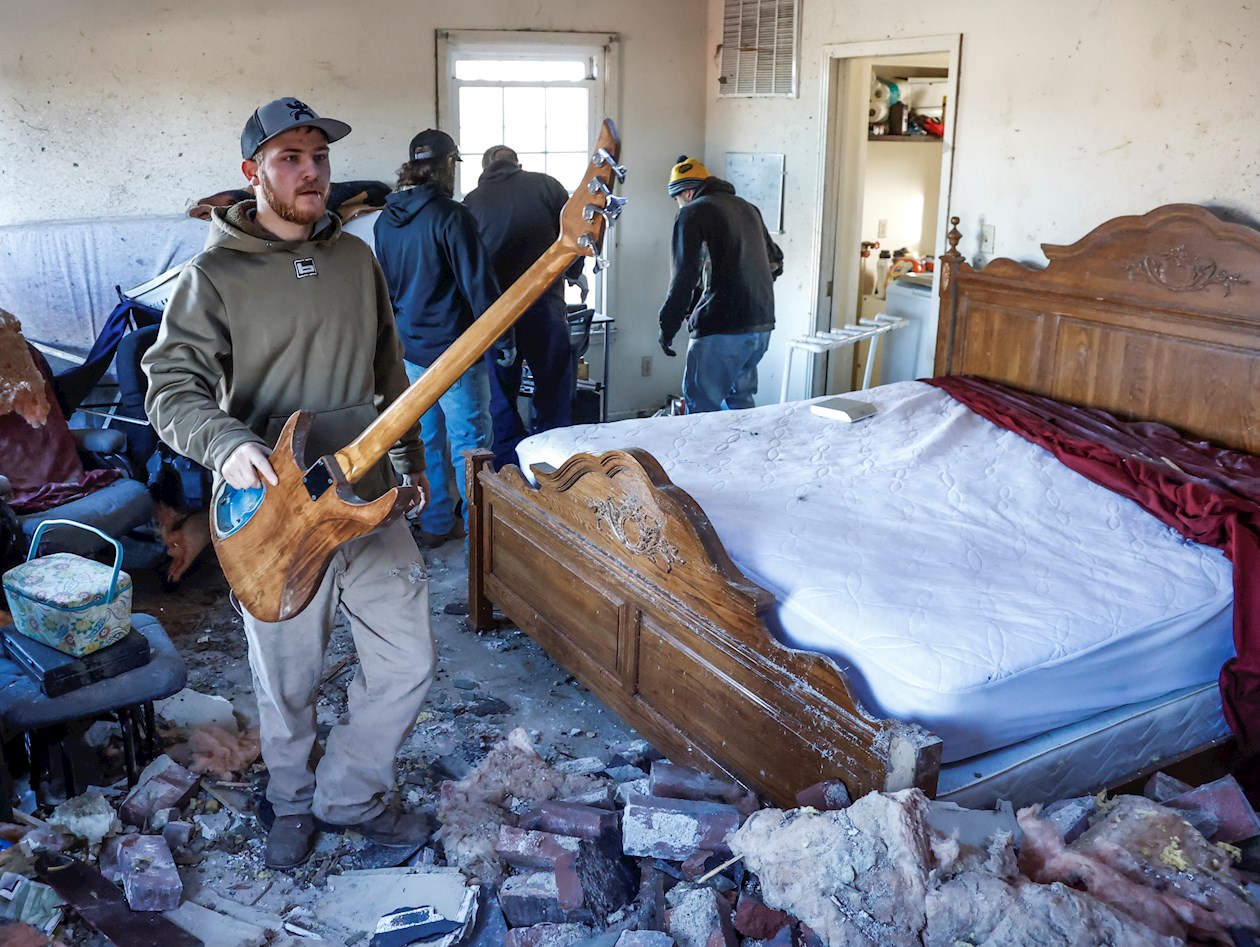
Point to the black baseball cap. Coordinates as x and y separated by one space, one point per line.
278 117
432 143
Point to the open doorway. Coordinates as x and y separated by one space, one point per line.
876 177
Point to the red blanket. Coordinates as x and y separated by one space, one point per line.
42 463
1208 494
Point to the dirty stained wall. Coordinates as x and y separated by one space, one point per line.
1069 113
135 109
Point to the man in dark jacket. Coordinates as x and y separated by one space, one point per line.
723 255
518 212
440 278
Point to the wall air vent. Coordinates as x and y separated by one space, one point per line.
760 44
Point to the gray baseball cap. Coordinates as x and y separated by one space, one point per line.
279 116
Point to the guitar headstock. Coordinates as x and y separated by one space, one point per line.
593 207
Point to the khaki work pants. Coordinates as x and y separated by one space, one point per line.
382 586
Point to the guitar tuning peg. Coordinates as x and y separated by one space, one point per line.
612 209
602 157
587 242
597 186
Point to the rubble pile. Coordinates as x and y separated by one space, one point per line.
630 850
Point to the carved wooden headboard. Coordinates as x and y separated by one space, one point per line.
1154 317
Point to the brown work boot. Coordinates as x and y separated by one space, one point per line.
434 540
290 841
395 827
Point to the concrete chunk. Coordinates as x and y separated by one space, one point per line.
164 784
644 939
674 828
701 918
549 935
150 879
1225 800
90 817
1071 816
216 929
1161 787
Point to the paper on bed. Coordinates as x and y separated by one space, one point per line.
842 409
924 549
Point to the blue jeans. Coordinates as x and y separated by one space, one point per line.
721 371
460 421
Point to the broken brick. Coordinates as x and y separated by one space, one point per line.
828 794
607 881
529 849
150 879
700 918
163 784
753 918
683 782
1161 787
534 898
1225 800
564 818
674 828
178 833
602 797
1071 816
783 938
548 935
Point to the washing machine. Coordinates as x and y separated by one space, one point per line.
909 352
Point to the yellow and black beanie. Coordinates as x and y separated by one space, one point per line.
688 173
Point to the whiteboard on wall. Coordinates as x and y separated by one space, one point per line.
758 179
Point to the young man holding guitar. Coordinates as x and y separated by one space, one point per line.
279 315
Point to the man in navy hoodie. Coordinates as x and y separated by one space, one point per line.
440 279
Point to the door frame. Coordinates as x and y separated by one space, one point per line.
841 179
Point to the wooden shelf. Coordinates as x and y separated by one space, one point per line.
903 138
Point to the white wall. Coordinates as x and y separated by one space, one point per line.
1069 113
133 109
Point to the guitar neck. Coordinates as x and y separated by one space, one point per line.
361 455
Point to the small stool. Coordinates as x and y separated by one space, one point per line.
127 698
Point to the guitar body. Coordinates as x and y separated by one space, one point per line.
274 543
273 579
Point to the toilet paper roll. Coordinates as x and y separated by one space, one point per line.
878 112
879 92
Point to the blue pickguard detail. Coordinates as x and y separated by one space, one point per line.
233 508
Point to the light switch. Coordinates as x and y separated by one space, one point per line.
986 239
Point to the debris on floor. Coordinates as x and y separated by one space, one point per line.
558 827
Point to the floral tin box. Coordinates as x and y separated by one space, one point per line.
68 602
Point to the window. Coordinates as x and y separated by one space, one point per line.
759 47
544 95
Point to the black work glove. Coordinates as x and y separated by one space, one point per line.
505 353
666 344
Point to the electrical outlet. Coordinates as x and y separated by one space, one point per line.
645 366
883 230
986 240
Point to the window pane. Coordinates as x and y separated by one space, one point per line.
524 118
567 167
533 160
520 70
480 120
568 111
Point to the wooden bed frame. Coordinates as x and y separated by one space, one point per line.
619 575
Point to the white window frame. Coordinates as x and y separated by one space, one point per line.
602 50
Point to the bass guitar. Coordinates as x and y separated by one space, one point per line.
275 542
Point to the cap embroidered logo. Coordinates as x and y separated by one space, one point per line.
299 110
305 268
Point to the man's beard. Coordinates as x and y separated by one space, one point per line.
286 210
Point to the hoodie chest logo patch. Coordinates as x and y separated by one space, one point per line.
305 268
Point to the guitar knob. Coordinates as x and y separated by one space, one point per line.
602 157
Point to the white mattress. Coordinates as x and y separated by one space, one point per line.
963 578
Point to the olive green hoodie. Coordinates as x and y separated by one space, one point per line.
258 327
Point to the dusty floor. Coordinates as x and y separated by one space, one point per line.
486 685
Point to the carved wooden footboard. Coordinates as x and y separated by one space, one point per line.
618 574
